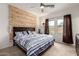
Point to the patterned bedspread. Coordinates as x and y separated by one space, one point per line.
35 44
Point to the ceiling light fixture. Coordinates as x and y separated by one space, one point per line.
42 7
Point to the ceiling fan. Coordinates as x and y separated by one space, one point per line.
42 6
46 5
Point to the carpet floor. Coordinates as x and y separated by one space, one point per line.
59 49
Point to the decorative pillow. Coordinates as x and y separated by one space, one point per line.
25 33
30 33
19 34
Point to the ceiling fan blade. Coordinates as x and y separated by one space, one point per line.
47 5
50 6
42 4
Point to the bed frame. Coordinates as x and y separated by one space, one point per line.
20 29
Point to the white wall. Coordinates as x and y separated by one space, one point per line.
40 20
37 25
4 35
41 26
74 11
75 23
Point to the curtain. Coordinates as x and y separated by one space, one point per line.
67 29
46 26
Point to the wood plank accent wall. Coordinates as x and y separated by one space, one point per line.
20 18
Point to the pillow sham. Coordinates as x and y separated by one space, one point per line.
16 38
19 34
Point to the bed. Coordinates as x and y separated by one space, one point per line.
32 44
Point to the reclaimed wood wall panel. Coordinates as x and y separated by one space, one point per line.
20 18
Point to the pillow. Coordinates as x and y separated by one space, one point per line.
16 38
25 33
19 34
34 32
29 32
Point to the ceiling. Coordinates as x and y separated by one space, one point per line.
35 7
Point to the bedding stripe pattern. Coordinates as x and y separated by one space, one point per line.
35 44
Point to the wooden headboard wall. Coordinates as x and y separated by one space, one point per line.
20 18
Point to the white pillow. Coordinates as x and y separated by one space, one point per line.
34 32
19 34
16 38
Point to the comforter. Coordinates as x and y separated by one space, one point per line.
35 44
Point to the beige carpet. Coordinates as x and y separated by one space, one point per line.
61 49
11 51
57 50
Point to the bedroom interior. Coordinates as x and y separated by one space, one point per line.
39 29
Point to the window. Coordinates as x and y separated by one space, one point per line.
51 27
51 23
60 25
60 22
56 26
